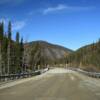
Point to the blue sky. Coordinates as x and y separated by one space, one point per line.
70 23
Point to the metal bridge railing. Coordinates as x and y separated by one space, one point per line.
91 74
21 75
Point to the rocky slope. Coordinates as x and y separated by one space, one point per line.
42 52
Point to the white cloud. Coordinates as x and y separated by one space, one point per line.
18 25
62 7
53 9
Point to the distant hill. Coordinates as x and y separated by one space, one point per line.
87 57
42 52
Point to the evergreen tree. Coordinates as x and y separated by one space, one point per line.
4 53
98 46
9 30
1 41
1 30
9 48
17 53
11 53
21 54
17 37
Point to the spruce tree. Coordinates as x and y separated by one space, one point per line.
17 37
5 46
1 31
17 53
9 48
9 31
21 54
1 41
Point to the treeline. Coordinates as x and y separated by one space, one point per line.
11 52
87 57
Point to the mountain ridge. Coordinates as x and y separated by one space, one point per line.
87 57
42 52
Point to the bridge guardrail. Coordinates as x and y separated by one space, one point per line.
91 74
18 76
21 75
44 70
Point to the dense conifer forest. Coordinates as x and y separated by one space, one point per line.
11 52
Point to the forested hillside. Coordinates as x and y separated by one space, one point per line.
43 53
87 57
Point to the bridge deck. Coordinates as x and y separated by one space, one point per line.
56 84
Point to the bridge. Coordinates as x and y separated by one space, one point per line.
55 84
